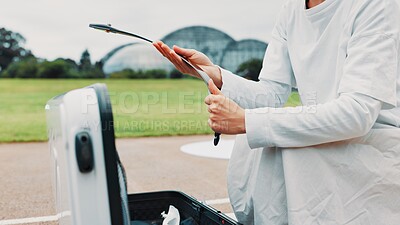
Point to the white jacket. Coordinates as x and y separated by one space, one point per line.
336 159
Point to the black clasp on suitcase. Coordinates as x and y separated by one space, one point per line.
84 152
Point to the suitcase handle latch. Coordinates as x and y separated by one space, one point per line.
84 152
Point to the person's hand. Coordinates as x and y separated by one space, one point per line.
196 58
226 116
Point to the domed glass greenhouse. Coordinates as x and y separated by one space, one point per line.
222 49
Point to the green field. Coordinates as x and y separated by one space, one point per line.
140 107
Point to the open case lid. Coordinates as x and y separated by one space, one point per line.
111 158
82 196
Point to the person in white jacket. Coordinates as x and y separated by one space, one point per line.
335 159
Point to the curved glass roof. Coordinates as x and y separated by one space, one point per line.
137 57
208 40
218 46
239 52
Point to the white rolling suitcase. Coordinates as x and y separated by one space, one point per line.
86 170
88 179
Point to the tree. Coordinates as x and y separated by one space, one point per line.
26 68
38 68
175 74
58 68
250 69
52 70
127 74
156 74
87 70
85 63
11 48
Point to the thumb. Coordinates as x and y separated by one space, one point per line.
213 89
187 53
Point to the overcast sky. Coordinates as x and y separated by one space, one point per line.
59 28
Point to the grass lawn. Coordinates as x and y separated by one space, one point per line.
141 107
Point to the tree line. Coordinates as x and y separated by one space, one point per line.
18 62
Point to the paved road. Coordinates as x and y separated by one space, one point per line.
151 164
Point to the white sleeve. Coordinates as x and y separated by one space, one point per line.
250 94
351 115
368 84
276 77
371 66
277 65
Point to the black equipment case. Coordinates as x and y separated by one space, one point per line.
148 206
89 181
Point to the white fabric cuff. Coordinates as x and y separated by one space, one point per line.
257 128
230 83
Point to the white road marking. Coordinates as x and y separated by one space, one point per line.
29 220
207 149
218 201
56 217
35 219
